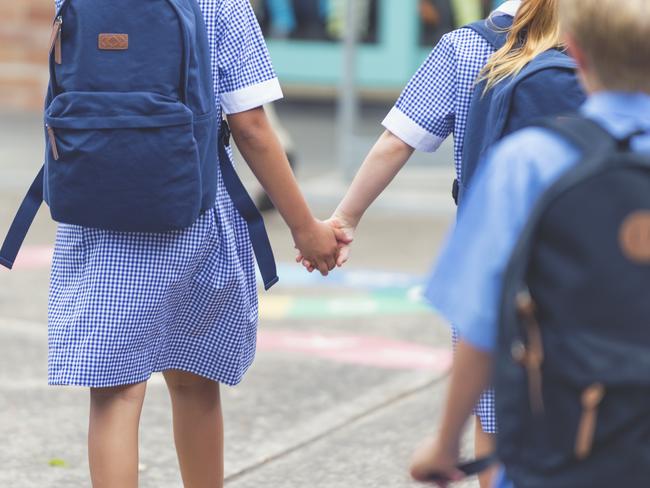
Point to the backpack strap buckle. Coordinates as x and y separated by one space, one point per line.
455 191
625 143
225 133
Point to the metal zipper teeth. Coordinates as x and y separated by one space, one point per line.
52 137
57 41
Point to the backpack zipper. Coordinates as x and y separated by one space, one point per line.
591 399
55 149
55 39
531 355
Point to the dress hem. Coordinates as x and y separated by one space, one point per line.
216 378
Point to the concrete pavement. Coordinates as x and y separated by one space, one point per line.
349 376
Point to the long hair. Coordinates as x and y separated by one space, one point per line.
535 29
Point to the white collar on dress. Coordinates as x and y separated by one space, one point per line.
510 7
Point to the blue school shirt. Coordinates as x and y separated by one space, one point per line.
465 287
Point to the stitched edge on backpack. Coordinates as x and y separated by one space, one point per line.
113 42
634 237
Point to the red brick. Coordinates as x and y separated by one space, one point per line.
41 11
24 36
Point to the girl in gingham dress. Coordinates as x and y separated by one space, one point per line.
434 105
125 305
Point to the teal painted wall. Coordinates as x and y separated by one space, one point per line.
389 64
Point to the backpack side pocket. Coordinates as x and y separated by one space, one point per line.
122 161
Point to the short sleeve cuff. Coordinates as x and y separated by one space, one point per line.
410 132
251 97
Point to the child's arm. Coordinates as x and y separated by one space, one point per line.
410 125
385 160
471 375
262 151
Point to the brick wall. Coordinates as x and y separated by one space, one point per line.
24 34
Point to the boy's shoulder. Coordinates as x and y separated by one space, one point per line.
532 140
534 149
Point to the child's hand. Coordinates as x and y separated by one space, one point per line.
348 228
318 244
431 458
344 233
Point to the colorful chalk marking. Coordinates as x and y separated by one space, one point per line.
363 292
370 351
385 303
294 276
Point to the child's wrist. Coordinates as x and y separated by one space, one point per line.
303 227
448 443
347 218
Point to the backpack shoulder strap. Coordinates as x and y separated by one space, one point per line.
23 221
542 66
248 211
241 200
590 137
551 59
543 73
493 29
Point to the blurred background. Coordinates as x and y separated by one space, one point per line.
303 36
350 370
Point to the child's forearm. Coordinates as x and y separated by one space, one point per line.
262 151
471 375
385 160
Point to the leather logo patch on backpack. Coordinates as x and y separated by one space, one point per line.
635 237
113 42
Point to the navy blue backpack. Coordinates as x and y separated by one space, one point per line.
133 143
547 86
572 372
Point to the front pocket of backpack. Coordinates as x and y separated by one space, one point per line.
122 161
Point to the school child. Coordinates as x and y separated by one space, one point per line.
124 305
570 353
437 103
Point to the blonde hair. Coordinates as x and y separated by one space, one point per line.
615 38
535 29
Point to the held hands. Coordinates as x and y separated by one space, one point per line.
343 229
319 244
432 457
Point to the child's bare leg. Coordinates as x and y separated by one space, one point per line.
484 445
198 428
113 435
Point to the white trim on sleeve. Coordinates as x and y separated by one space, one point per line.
410 132
251 97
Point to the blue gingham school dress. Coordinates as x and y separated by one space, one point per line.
125 305
435 105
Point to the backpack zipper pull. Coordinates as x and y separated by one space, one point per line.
531 355
591 399
55 39
55 149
